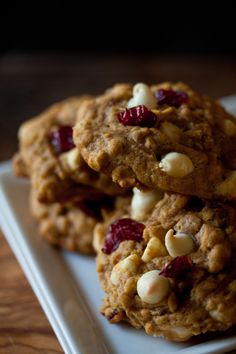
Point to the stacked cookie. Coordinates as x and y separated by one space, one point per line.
154 167
67 197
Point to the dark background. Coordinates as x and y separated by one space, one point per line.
50 51
159 27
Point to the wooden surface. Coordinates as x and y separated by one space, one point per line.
24 329
30 83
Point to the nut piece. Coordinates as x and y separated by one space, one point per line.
179 244
227 187
153 249
142 95
176 164
152 287
142 202
73 158
172 131
232 286
229 127
128 265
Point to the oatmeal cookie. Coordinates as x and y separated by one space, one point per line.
163 136
47 155
171 271
70 225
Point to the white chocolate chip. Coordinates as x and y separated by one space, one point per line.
98 237
229 127
176 164
179 244
172 131
227 188
73 158
152 287
142 202
128 265
24 131
153 249
142 94
179 333
217 315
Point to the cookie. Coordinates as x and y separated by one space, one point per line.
164 136
47 155
70 225
172 271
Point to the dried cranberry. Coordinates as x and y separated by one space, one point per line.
112 314
139 115
62 139
116 316
121 230
171 97
177 268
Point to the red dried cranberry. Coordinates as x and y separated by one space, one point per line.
62 139
112 314
122 230
139 115
171 97
177 268
116 316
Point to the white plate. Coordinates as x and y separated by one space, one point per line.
68 289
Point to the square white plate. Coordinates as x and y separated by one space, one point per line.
68 289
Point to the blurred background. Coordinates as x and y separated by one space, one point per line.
50 51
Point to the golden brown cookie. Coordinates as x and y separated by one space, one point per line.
164 136
69 225
47 155
172 271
